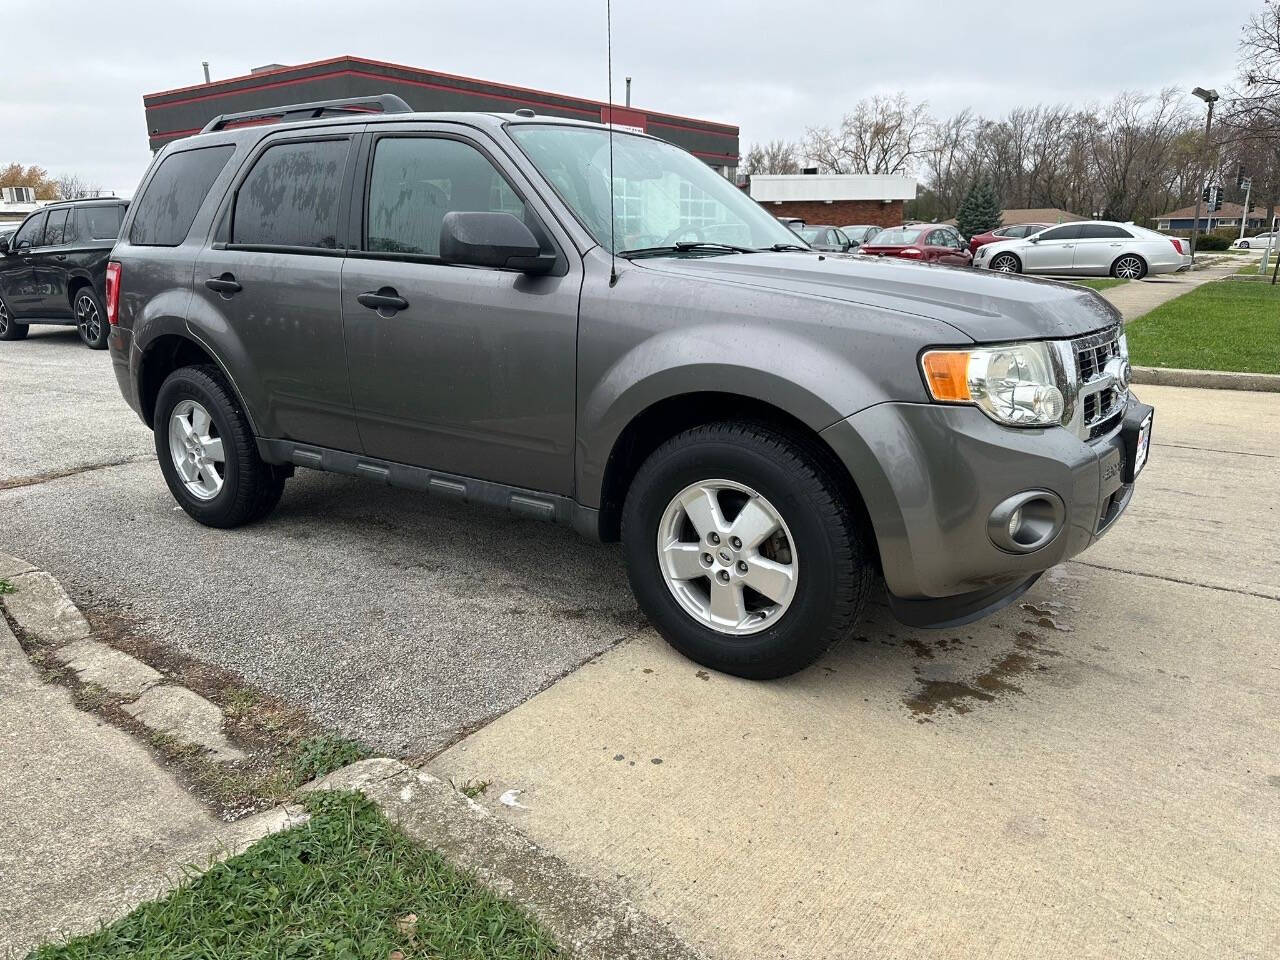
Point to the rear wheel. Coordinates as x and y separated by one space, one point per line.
207 451
1006 263
743 551
1129 267
91 318
9 328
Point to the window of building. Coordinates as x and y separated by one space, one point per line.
290 197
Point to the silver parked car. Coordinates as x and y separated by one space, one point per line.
1092 248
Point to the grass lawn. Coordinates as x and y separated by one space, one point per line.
347 884
1100 283
1224 325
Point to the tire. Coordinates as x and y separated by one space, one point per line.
1244 244
91 318
828 555
9 328
1005 263
1129 266
249 488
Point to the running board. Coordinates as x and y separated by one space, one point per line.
533 504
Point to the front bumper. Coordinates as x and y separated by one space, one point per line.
931 475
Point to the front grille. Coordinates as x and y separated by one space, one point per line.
1102 400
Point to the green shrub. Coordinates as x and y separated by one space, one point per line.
1214 241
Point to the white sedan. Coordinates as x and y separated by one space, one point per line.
1092 248
1259 242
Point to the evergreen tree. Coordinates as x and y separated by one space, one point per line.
980 211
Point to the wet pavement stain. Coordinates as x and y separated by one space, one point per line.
960 698
919 648
1034 643
1274 780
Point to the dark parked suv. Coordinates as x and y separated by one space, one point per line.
52 268
522 312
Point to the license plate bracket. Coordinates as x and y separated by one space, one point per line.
1136 437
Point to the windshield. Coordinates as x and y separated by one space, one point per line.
897 237
812 234
661 194
860 234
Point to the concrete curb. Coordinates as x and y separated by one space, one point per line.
1207 379
43 612
593 920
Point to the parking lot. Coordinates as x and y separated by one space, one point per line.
1092 772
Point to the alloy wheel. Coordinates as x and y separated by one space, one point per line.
1128 268
196 450
1005 263
4 319
87 318
727 557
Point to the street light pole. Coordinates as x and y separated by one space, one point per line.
1210 97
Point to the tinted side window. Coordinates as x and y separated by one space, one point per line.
1069 232
94 223
415 181
55 229
1104 231
31 232
290 198
168 207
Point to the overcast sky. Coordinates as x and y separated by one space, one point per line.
71 97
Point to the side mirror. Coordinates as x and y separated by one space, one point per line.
499 240
4 246
1033 238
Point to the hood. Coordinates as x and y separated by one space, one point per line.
983 306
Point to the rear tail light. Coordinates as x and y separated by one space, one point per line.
1177 245
113 293
911 252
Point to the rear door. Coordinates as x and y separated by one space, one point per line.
1097 248
476 374
272 277
52 266
18 283
1052 251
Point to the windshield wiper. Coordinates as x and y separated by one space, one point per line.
784 247
686 246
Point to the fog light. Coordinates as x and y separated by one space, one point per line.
1027 521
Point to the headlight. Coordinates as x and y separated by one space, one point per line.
1013 384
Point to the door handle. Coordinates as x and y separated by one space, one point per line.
1116 244
61 256
225 285
385 298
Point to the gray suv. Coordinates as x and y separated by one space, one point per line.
471 306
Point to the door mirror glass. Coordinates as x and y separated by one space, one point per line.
4 246
499 240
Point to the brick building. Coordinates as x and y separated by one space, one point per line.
179 113
836 199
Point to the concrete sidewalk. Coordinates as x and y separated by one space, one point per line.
1090 773
1140 297
90 823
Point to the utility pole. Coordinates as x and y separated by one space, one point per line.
628 91
205 64
1248 192
1210 97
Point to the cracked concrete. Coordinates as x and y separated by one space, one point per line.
43 611
107 667
186 715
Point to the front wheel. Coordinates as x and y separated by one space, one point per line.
1129 267
1006 263
9 328
743 549
207 451
1244 244
91 318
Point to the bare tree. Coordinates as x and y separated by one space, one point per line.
72 186
776 156
881 135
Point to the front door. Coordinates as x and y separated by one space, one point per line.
475 373
271 281
1052 251
18 283
52 267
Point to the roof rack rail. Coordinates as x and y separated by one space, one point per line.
383 103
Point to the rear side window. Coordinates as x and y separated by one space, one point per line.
55 230
165 212
1104 231
290 198
94 223
415 181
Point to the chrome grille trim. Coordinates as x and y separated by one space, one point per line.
1096 401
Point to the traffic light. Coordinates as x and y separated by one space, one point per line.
1241 177
1213 197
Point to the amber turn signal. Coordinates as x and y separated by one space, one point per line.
947 373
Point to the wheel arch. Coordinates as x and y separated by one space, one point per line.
1146 264
1006 253
672 415
171 351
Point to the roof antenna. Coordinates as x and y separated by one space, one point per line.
613 244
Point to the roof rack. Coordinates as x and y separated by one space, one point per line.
383 103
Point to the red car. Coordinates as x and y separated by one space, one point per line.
1016 232
924 242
